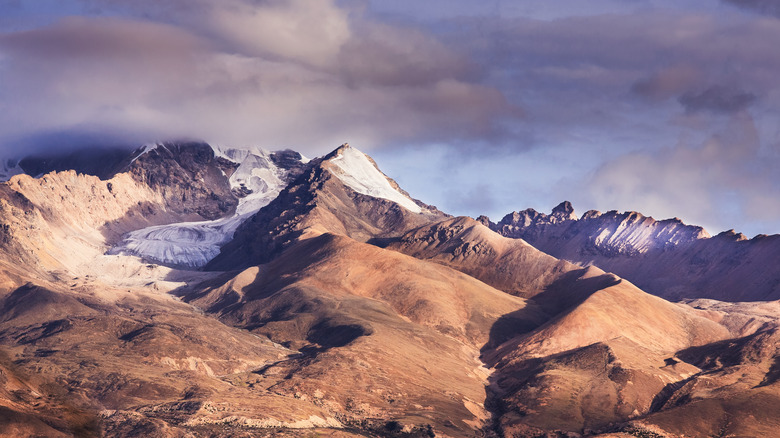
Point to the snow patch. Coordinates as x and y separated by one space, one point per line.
145 150
361 175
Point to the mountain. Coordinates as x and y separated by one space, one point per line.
618 354
344 193
605 351
666 258
190 289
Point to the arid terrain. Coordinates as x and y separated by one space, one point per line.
192 290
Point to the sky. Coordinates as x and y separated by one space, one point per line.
488 107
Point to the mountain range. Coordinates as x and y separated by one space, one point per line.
186 289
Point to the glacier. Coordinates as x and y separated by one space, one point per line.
193 244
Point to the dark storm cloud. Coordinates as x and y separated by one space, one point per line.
769 7
718 99
48 142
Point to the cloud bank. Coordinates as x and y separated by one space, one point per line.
304 74
650 105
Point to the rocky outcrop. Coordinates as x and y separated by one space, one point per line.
189 176
291 161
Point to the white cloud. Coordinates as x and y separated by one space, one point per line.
729 179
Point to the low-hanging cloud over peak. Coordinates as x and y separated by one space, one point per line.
305 74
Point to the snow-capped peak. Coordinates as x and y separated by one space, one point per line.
357 172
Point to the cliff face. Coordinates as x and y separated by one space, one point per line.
666 258
189 177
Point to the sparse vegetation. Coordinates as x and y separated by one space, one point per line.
642 433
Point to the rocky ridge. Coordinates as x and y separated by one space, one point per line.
667 258
607 234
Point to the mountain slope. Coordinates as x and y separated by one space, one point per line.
310 327
736 393
510 265
607 352
381 335
602 360
190 177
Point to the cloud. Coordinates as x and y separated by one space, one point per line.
718 99
307 31
668 82
613 94
768 7
473 200
308 75
600 90
728 179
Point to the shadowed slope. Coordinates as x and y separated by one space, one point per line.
737 392
601 360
